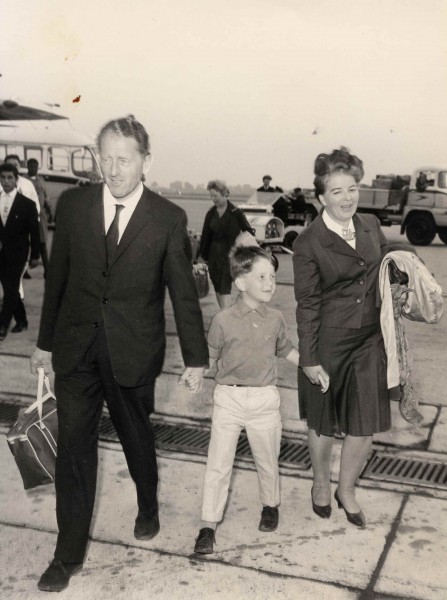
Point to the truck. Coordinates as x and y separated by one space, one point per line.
417 203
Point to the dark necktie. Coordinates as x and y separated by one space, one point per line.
113 234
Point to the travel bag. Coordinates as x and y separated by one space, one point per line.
33 437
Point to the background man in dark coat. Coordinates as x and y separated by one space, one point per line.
103 322
266 187
19 230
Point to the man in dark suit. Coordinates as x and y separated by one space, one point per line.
116 248
19 230
266 187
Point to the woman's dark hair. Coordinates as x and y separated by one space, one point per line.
338 161
242 259
128 127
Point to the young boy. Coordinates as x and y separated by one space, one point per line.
245 340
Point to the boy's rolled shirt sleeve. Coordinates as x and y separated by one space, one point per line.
283 344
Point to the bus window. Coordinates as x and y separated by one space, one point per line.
58 159
442 179
82 163
33 152
19 150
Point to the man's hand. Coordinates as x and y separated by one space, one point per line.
318 376
40 358
33 263
192 378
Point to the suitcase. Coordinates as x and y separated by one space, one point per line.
33 438
201 277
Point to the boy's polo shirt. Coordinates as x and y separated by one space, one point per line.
245 343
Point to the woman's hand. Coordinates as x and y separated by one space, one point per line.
318 376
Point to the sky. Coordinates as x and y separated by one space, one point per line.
235 89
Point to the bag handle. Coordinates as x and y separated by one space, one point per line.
41 398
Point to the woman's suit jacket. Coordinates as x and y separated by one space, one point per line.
127 298
335 285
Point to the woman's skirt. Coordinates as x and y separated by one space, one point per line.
357 401
219 268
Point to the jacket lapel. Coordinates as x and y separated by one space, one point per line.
138 220
362 235
329 239
12 211
96 222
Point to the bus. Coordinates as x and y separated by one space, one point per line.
66 157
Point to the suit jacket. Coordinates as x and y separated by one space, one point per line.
269 189
20 232
127 299
335 285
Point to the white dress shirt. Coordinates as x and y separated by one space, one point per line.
26 188
338 229
129 204
6 201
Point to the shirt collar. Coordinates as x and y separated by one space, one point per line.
334 226
11 195
131 199
245 309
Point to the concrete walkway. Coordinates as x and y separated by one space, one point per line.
401 554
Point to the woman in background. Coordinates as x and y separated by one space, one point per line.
223 223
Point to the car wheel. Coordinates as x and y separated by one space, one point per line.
289 238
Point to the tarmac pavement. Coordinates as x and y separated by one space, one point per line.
401 554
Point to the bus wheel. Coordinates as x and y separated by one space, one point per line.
420 229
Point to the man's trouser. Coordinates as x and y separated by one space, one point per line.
80 398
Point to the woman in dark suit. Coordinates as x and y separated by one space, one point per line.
342 376
223 223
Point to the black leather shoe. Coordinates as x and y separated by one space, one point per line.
269 518
146 528
322 511
205 541
19 327
357 519
57 577
3 332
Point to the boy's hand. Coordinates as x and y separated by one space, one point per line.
192 378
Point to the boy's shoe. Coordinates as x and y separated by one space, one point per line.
269 518
205 541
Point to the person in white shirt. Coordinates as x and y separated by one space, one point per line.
19 231
24 186
27 189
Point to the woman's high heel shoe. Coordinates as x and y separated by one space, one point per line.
357 519
322 511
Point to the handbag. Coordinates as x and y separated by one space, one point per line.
200 274
33 437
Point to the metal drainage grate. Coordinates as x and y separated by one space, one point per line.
195 440
185 438
415 471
